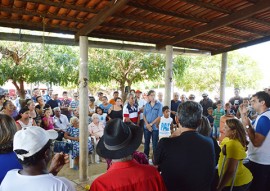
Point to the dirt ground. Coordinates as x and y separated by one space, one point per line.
94 170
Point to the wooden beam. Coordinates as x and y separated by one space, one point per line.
228 35
243 45
93 44
114 7
248 29
168 13
259 21
141 29
38 26
115 36
62 5
151 21
213 40
196 46
234 17
36 14
207 6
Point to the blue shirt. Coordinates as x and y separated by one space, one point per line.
8 162
105 109
151 113
263 125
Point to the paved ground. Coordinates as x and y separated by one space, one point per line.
94 170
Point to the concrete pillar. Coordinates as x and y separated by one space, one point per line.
223 76
168 75
83 108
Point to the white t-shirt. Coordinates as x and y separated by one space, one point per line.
141 104
165 127
102 118
261 154
45 182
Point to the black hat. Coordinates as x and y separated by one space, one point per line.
119 140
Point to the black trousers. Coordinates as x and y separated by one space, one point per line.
261 176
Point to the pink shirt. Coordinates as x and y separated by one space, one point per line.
96 129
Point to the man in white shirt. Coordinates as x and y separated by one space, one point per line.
32 146
259 146
60 123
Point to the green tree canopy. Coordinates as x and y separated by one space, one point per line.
25 62
203 73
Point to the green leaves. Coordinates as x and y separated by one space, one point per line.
203 73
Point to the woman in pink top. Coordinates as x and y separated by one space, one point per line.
96 128
47 120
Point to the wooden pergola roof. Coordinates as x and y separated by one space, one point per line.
211 25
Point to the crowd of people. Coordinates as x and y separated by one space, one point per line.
196 146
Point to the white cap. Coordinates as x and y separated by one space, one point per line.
32 139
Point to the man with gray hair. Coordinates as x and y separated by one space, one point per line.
187 162
60 123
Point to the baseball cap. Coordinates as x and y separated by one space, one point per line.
32 139
204 95
138 91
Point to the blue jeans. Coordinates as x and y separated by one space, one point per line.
215 131
147 137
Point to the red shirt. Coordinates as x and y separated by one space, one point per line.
129 176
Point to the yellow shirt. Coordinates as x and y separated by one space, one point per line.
236 151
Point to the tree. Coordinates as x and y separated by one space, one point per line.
203 73
24 62
124 67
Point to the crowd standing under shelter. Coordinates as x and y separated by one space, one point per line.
188 139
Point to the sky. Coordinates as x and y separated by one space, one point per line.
261 54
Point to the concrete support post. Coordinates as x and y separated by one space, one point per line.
223 76
83 108
168 75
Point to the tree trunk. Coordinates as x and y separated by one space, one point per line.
124 95
21 92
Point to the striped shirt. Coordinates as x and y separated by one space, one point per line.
131 112
218 114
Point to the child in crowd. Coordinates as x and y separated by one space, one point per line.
165 124
24 119
102 116
218 112
47 120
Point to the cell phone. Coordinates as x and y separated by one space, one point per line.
62 146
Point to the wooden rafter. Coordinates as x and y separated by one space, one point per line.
169 13
208 5
151 21
249 30
140 29
36 26
234 17
242 45
62 5
36 14
101 17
